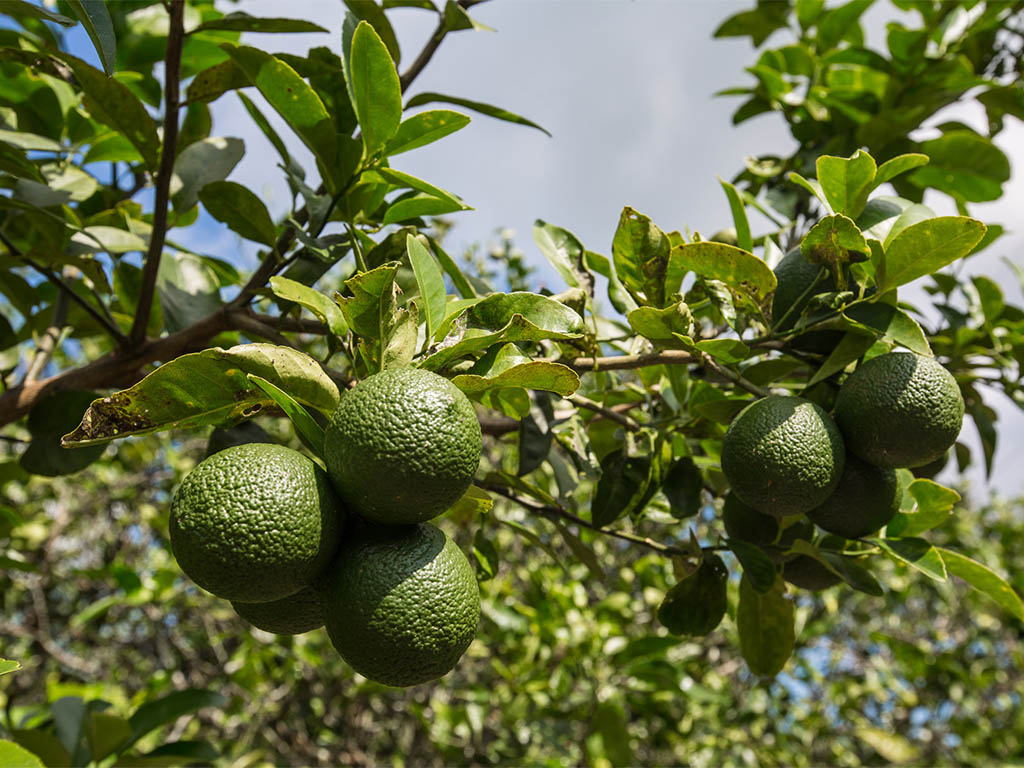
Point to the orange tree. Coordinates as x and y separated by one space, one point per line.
604 427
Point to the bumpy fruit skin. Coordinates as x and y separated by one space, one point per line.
866 498
899 410
782 455
255 523
403 446
807 573
746 523
292 615
794 276
401 603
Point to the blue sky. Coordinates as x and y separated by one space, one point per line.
626 90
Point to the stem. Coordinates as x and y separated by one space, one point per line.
626 362
50 340
557 512
620 418
357 247
800 299
172 73
708 362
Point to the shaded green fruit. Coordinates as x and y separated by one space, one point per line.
255 523
746 523
866 498
782 455
807 573
696 605
403 446
290 615
932 468
798 281
899 410
401 603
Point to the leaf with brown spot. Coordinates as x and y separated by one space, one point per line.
208 388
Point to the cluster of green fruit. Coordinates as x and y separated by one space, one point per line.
787 457
295 548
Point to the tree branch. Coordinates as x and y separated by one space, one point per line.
61 283
708 362
619 418
51 338
172 73
626 362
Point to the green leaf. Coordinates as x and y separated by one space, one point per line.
695 606
106 734
832 241
743 272
475 501
24 8
374 88
208 388
900 164
617 293
662 325
112 103
239 207
683 486
200 163
425 128
835 24
511 368
166 710
505 317
985 580
457 18
846 181
852 571
369 11
739 216
486 556
766 627
476 106
48 421
934 506
371 301
640 252
23 140
419 205
851 347
757 566
726 350
401 179
213 82
927 247
812 186
400 335
240 21
894 325
310 433
462 285
96 19
564 252
13 756
7 666
912 214
174 754
964 165
891 746
188 289
622 487
293 99
916 553
534 444
320 305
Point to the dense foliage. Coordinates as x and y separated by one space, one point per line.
598 502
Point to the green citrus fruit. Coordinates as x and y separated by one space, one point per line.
290 615
746 523
403 446
899 410
401 603
807 573
782 455
866 498
255 523
798 280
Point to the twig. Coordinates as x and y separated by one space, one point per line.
708 362
626 362
57 280
251 325
556 512
172 73
619 418
50 339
